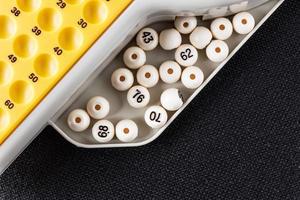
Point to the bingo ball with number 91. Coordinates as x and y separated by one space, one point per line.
171 99
126 130
138 96
156 116
147 39
186 55
103 131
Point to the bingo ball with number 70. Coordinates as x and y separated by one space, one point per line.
138 96
147 39
103 131
156 116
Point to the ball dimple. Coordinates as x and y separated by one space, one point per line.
244 21
126 130
134 56
147 75
6 73
218 50
95 11
77 120
122 78
70 38
185 24
29 5
170 71
25 46
97 107
192 76
8 27
45 65
222 27
49 19
21 92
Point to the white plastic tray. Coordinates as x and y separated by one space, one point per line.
101 86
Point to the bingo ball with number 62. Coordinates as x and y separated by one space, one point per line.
156 116
138 96
103 131
186 55
147 39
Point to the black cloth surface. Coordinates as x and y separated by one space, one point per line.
238 139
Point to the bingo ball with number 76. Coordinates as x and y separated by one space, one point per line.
103 131
138 96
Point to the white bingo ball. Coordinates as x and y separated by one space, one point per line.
147 76
122 79
171 99
98 107
103 131
170 72
192 77
186 55
185 25
243 23
126 130
200 37
134 57
156 116
78 120
170 39
147 39
221 28
138 96
217 51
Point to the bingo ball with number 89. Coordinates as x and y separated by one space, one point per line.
156 116
103 131
186 55
138 96
147 39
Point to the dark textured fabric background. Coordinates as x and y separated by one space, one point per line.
239 139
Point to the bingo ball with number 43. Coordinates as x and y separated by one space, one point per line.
138 96
156 116
103 131
186 55
147 39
